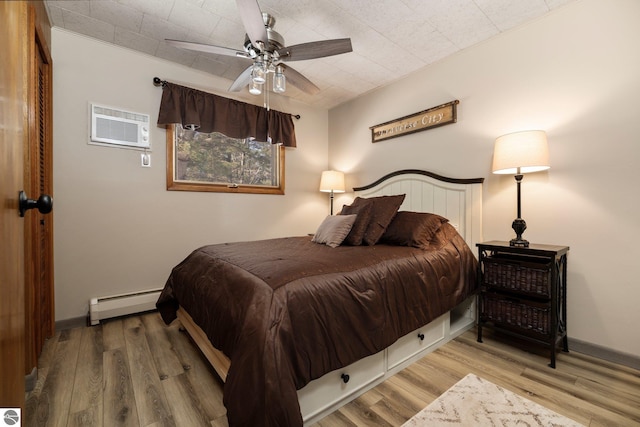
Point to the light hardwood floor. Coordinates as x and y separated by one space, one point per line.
138 372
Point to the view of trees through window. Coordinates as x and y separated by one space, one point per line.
217 159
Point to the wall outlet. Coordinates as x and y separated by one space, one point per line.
145 160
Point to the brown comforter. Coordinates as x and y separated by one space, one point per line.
287 311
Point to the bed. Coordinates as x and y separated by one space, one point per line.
296 328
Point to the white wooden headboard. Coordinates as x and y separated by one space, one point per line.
459 200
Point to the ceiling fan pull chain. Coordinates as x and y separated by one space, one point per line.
266 94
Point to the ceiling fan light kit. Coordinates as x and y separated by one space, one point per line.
279 80
265 47
255 88
258 73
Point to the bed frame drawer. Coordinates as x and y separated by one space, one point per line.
333 387
416 341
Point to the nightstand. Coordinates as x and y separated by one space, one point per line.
523 292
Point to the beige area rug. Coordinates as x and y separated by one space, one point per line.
474 401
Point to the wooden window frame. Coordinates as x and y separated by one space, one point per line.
173 185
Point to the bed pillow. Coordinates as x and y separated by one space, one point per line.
383 209
413 229
363 212
334 229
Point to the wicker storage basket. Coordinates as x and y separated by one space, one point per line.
529 277
514 313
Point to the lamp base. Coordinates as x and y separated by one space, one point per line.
519 225
519 243
331 202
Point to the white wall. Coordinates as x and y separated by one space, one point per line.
574 73
117 229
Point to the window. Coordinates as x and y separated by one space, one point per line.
214 162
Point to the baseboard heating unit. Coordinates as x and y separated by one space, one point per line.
102 308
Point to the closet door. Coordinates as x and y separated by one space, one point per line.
12 140
38 176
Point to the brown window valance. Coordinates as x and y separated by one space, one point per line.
208 113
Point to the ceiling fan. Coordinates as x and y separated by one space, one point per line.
265 47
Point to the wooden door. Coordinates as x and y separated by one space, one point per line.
13 19
38 180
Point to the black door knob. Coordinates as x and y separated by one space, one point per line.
44 203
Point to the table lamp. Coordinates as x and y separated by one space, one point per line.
519 153
332 182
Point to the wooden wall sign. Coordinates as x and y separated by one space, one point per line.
433 117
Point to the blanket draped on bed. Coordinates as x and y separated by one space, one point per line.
287 311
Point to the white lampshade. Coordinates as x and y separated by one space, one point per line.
521 152
332 181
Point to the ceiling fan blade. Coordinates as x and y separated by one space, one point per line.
242 80
209 48
313 50
251 16
298 80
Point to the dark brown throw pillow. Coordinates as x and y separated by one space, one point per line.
383 209
363 212
413 229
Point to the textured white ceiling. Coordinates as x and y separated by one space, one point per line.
390 38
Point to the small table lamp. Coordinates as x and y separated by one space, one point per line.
519 153
332 182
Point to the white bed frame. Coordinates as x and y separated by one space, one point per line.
459 200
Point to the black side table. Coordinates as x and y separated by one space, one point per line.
523 292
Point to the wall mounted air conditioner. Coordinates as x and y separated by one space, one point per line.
111 126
